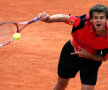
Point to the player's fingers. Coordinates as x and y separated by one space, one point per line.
74 53
79 48
39 16
43 16
75 49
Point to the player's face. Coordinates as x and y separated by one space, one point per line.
99 21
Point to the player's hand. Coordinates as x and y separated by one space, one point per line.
82 53
43 16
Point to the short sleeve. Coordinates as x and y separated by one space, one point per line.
73 20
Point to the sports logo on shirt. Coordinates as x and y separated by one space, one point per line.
71 22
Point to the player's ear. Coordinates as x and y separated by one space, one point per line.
106 21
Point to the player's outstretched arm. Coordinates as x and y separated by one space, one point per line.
54 18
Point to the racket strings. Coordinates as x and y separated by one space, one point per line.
6 32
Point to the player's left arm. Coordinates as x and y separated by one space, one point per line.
97 57
84 53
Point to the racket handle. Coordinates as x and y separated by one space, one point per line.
36 18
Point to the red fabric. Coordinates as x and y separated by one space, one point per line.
73 20
86 36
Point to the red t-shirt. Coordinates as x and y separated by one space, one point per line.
84 35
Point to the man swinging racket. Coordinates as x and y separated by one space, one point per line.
87 48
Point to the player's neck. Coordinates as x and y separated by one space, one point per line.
101 33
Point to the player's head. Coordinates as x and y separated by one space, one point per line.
98 17
98 8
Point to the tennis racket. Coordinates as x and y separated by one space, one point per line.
7 30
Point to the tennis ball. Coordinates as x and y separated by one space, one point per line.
17 36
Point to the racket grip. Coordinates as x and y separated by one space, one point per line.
36 18
33 20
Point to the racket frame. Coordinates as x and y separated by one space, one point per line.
18 29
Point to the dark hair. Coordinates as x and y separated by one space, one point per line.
98 8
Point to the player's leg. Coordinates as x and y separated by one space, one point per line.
67 66
87 87
61 84
88 73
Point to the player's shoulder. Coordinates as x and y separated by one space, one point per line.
83 19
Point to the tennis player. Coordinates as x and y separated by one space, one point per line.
87 48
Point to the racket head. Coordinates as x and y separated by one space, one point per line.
7 29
